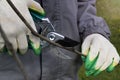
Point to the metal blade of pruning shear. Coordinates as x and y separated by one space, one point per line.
47 30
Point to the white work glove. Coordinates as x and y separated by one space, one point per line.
15 30
100 54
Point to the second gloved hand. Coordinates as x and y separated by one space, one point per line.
100 54
15 30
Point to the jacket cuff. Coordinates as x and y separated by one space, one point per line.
92 26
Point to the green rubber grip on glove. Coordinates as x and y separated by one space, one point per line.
36 51
36 14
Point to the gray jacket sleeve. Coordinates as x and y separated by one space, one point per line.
88 22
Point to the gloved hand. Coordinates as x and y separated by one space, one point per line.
15 29
100 54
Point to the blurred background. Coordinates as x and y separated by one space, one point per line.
110 11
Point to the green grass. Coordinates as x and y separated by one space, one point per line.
109 8
105 7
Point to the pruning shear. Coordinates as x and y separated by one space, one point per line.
47 30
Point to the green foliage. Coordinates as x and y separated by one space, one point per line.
109 10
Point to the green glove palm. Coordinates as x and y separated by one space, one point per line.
100 54
15 29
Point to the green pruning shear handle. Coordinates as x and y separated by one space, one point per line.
40 15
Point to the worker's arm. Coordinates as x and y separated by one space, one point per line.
99 51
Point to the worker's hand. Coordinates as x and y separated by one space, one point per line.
16 31
100 54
